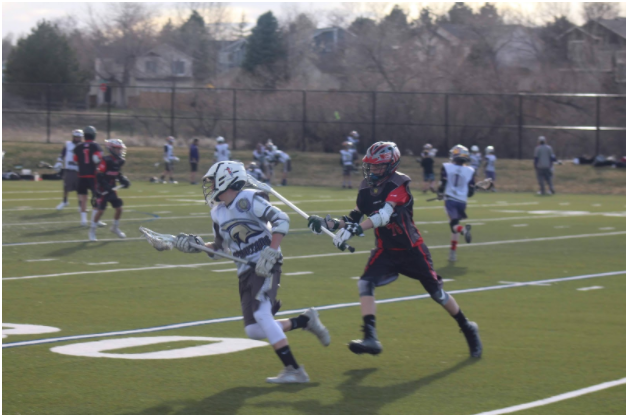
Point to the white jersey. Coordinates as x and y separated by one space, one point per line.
475 160
68 158
168 153
491 162
270 155
281 157
458 179
259 155
257 174
222 153
244 226
347 157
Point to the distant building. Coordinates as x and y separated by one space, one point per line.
231 55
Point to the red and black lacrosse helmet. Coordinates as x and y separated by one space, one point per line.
383 153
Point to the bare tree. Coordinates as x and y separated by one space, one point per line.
600 10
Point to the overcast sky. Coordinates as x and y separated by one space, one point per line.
19 18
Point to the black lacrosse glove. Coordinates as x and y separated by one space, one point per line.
124 182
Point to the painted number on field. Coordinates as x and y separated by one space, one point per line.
217 345
10 329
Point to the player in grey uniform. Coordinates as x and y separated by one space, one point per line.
169 158
457 184
246 223
69 167
490 166
475 158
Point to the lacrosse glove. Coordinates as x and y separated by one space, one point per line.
124 182
266 262
183 243
316 223
346 233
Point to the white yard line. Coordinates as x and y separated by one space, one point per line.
595 287
103 263
520 225
224 270
299 273
607 229
42 260
512 241
288 312
556 398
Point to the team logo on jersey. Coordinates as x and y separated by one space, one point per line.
241 231
243 205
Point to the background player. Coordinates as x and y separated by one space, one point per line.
490 166
279 156
347 157
194 159
169 158
70 167
255 171
108 173
222 153
384 196
457 184
87 155
241 222
428 163
475 158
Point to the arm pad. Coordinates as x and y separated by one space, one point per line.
381 218
265 211
354 216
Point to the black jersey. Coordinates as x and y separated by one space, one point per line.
109 170
427 164
400 233
83 155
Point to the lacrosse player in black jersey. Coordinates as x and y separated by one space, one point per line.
384 196
87 155
108 173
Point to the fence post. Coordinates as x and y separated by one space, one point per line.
304 121
520 124
373 117
48 104
108 93
172 110
597 125
446 122
234 119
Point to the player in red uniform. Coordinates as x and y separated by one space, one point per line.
384 196
88 155
108 173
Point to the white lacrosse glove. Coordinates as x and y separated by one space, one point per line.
183 243
175 159
264 265
341 237
58 166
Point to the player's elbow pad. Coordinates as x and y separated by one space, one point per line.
382 217
280 224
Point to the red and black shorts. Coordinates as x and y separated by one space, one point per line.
385 265
86 184
111 197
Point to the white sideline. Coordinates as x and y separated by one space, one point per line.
557 398
512 241
287 312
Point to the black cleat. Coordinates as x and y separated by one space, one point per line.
470 330
468 233
369 344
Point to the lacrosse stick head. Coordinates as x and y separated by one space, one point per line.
160 241
486 184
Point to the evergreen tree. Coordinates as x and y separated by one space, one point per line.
459 13
265 45
194 40
488 15
44 56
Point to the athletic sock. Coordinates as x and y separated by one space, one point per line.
83 216
453 247
93 214
94 225
299 322
116 223
285 356
460 318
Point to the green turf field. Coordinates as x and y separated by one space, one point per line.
540 340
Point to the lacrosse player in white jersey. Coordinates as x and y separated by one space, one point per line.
347 159
222 153
169 158
490 166
246 223
475 158
457 184
284 159
69 167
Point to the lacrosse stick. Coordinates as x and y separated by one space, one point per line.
165 242
435 198
266 188
486 184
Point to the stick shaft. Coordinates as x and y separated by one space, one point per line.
221 254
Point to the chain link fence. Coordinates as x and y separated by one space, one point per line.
575 124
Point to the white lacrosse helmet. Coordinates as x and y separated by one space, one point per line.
489 149
222 176
475 149
170 139
116 147
459 153
78 133
220 140
354 134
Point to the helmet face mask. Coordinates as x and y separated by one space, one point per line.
380 162
116 147
77 136
222 176
459 154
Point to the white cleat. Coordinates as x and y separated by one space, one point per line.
101 224
290 375
118 232
316 327
62 205
452 256
92 235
